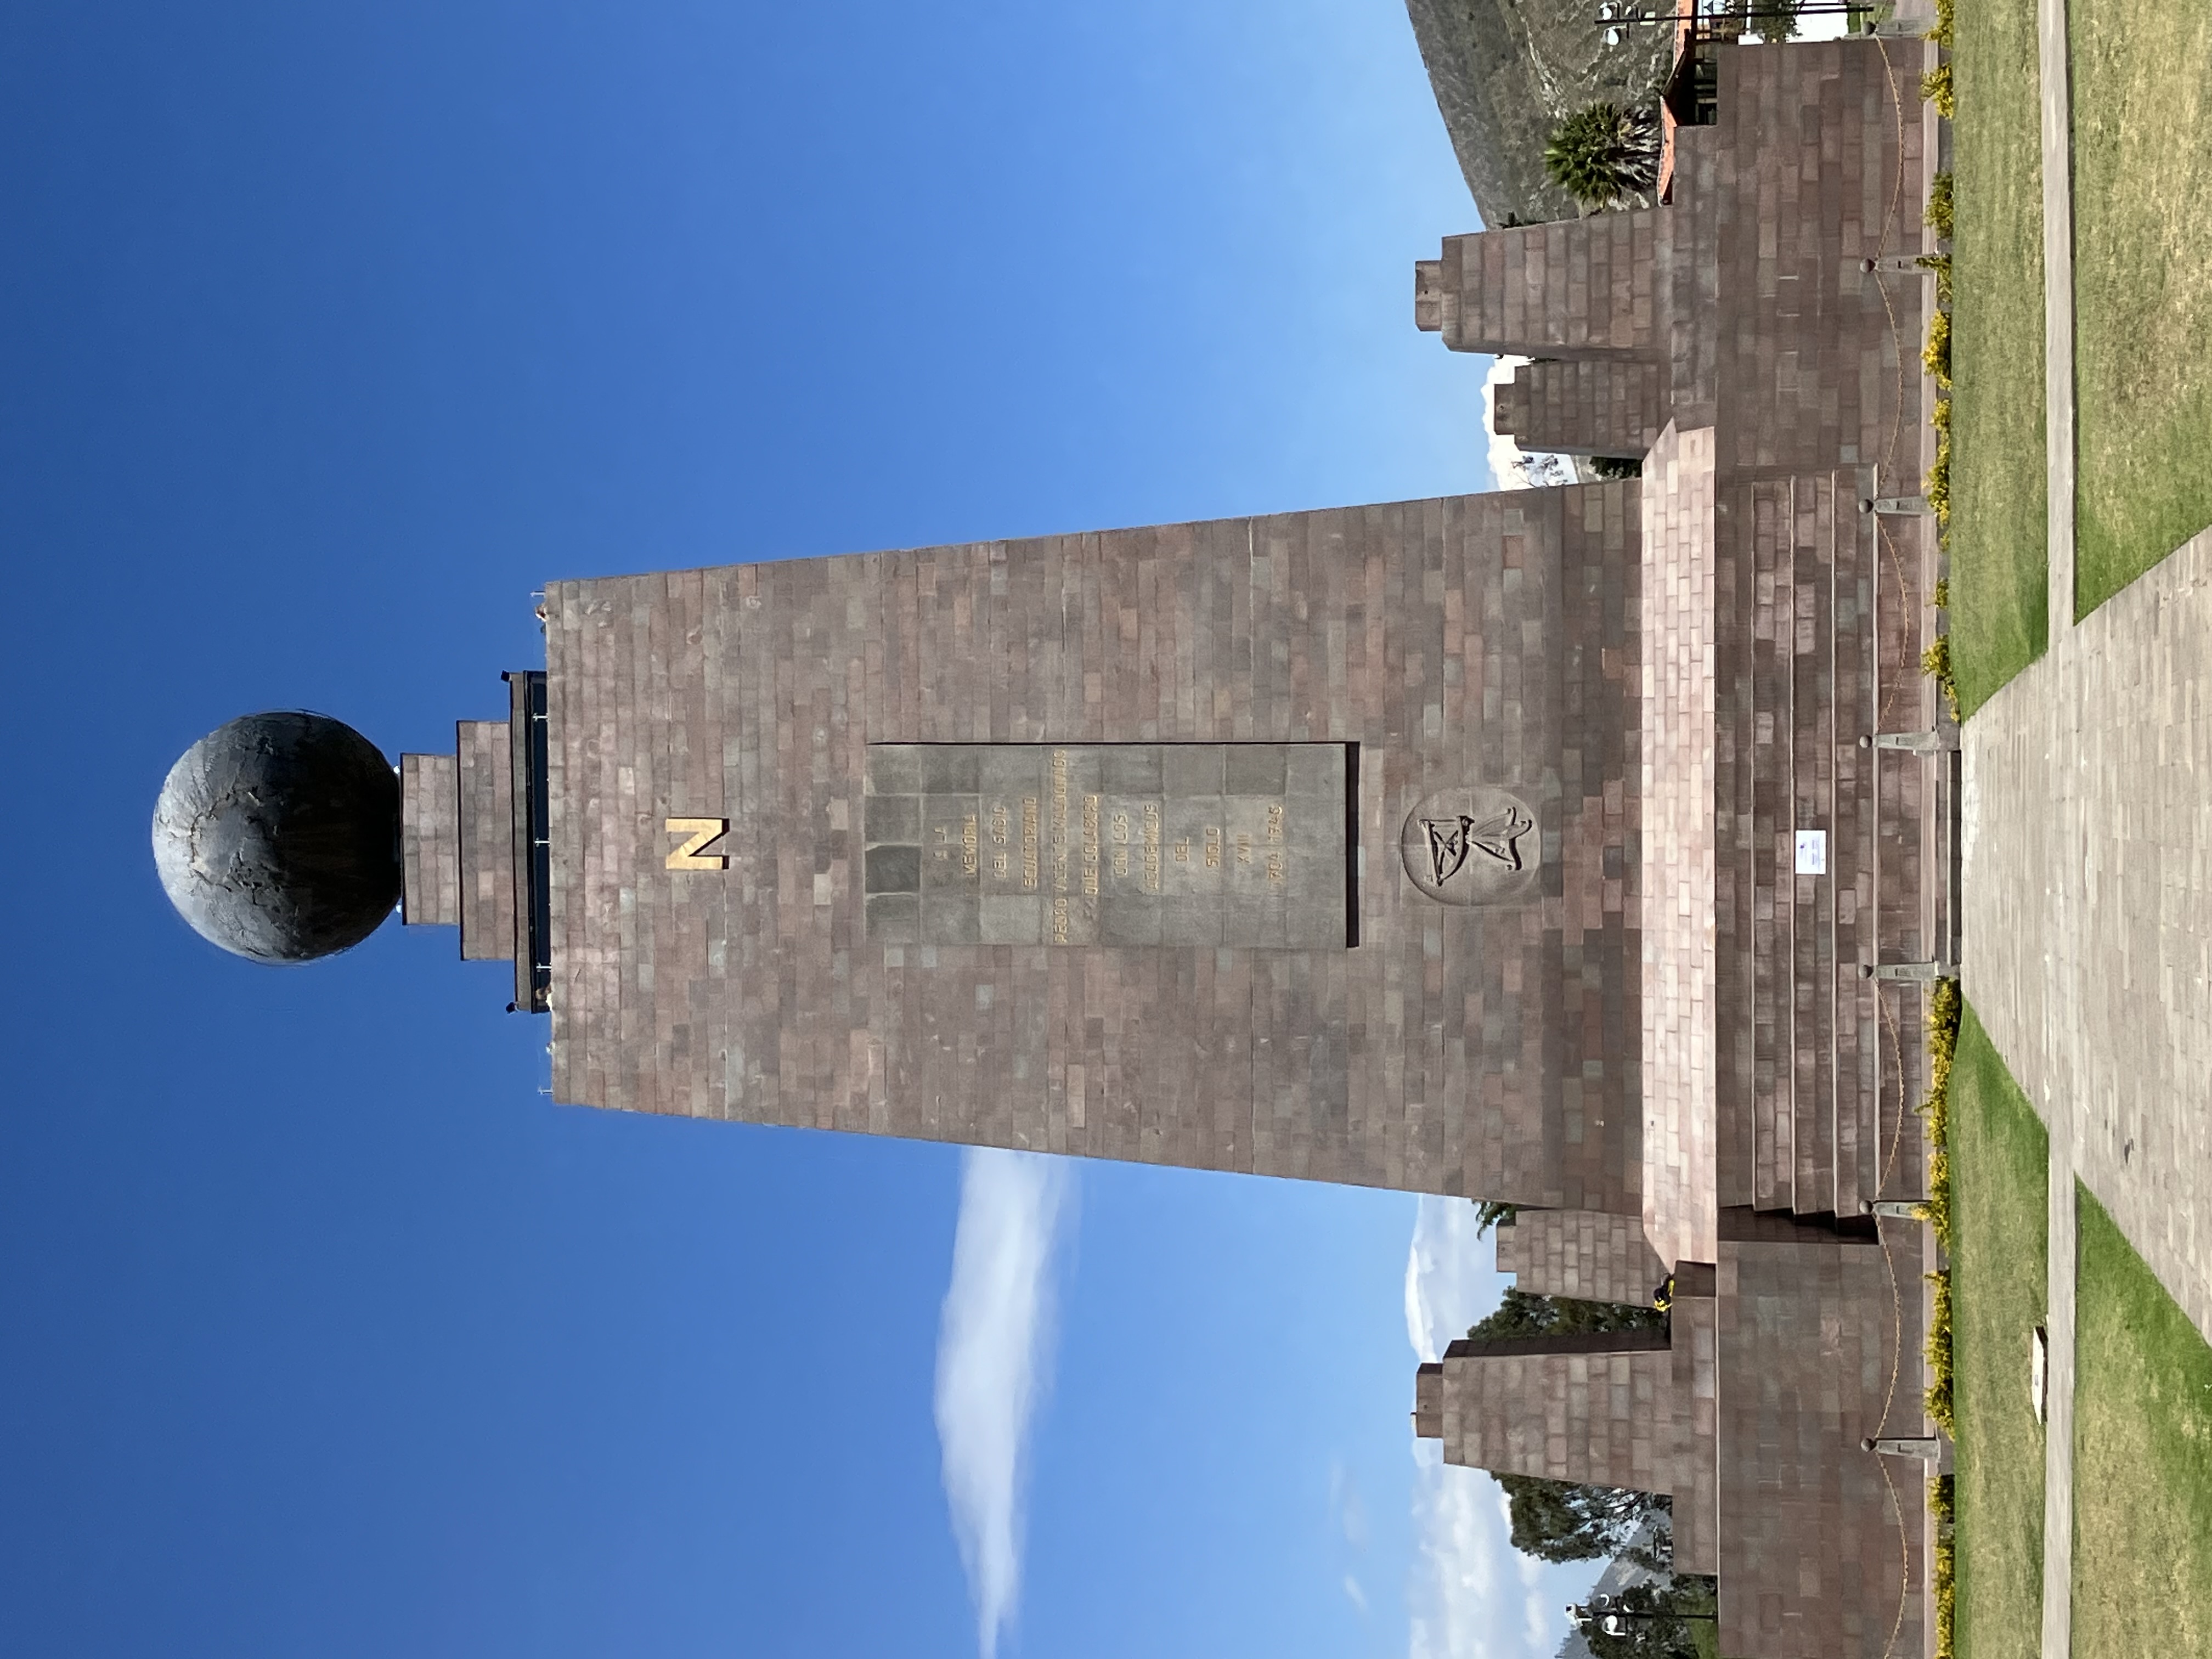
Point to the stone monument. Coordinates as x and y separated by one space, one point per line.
1441 845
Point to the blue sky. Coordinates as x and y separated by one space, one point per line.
328 334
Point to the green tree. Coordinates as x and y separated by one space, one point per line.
1559 1521
1605 155
1770 20
1528 1313
1657 1620
1489 1212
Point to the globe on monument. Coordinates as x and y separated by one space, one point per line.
277 837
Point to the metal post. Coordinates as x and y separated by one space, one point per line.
1938 741
1918 972
1928 1447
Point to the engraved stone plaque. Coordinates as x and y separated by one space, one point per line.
1473 846
1116 844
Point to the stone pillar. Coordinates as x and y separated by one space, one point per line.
1579 289
1580 1252
458 840
429 841
1632 1409
1602 408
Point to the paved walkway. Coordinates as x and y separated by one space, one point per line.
2086 835
2088 884
2088 907
2059 1117
2058 542
2088 912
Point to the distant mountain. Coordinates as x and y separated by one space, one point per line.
1506 71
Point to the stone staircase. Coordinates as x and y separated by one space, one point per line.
1806 659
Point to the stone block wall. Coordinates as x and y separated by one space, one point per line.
1816 627
1486 640
1825 1552
1587 407
1632 1409
1767 317
1580 288
1751 297
1678 846
429 841
1580 1252
1816 169
485 774
1597 1409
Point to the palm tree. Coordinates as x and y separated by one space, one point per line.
1605 155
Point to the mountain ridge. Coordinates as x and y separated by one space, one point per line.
1505 72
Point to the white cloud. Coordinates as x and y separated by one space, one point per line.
993 1354
1356 1595
1510 464
1456 1605
1345 1500
1451 1275
1473 1596
1536 1612
1503 454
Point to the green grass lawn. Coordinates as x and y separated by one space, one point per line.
2142 1459
2143 285
1998 567
2000 1157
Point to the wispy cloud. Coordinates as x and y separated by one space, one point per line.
1451 1275
1457 1607
993 1364
1536 1621
1473 1594
1350 1512
1344 1502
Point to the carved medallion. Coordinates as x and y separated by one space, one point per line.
1474 846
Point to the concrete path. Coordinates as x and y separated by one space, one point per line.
2058 541
2051 770
2087 830
2057 123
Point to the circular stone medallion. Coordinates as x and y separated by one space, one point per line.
1473 846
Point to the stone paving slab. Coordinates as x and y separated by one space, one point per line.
2087 828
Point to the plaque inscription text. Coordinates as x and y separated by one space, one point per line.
1112 844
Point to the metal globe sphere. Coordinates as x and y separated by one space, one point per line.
277 837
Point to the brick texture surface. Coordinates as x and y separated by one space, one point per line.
1823 1550
429 841
1456 1049
1625 1409
1664 1047
1780 627
1584 408
1783 625
1580 1252
1675 918
485 770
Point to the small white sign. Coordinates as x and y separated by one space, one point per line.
1812 852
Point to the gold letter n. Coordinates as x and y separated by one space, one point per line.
702 832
